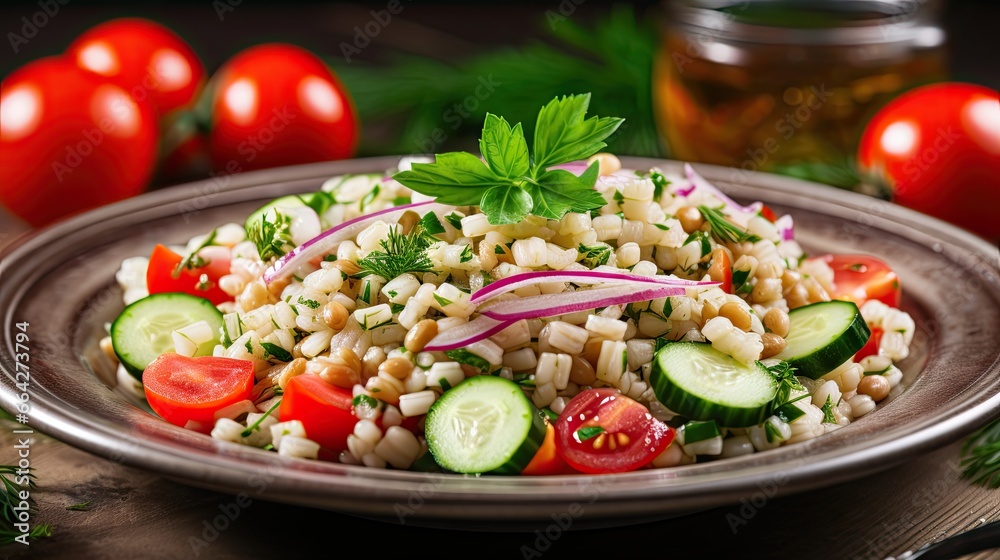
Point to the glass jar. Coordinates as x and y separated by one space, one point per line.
760 84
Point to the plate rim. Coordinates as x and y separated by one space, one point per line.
157 457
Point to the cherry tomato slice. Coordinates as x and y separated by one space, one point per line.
182 390
324 410
721 270
768 214
871 347
200 281
603 431
859 278
547 460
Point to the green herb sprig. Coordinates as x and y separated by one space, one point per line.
724 230
271 234
10 497
512 183
980 456
400 254
192 260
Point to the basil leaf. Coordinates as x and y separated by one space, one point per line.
506 205
505 149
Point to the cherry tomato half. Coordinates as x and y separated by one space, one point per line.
162 274
871 347
603 431
181 389
145 59
323 409
859 278
70 141
278 104
721 270
939 147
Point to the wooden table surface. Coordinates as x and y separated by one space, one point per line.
135 514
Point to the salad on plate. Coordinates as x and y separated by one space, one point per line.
522 312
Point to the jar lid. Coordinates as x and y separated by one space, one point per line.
812 22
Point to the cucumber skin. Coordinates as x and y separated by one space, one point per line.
518 460
126 315
693 407
816 364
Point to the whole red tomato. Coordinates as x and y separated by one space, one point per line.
70 141
939 146
278 104
144 58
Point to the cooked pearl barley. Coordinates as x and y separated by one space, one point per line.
604 327
373 461
316 343
529 252
327 281
553 368
544 395
281 430
415 404
488 351
227 429
475 225
736 446
399 447
392 416
607 163
451 372
743 346
608 227
861 405
672 456
828 390
294 446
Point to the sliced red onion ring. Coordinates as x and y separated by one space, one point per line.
329 239
516 281
574 167
463 335
699 182
548 305
786 228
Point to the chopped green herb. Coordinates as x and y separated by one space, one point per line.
724 230
400 254
788 412
445 385
552 416
82 506
330 258
431 224
192 261
594 255
401 201
443 302
699 236
660 343
365 400
828 417
271 234
249 346
370 197
271 349
499 250
979 456
367 294
700 431
659 183
310 303
392 293
740 278
455 220
463 356
466 255
663 227
396 307
618 197
256 425
771 432
588 432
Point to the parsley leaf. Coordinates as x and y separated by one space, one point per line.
506 205
504 148
562 134
509 185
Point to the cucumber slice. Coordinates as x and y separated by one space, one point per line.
484 424
700 383
319 201
144 330
821 336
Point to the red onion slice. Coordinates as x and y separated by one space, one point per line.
516 281
786 228
463 335
548 305
700 183
329 239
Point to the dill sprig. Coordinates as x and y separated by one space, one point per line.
271 234
724 230
400 254
981 456
9 497
784 374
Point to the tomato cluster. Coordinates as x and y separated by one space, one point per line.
91 126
